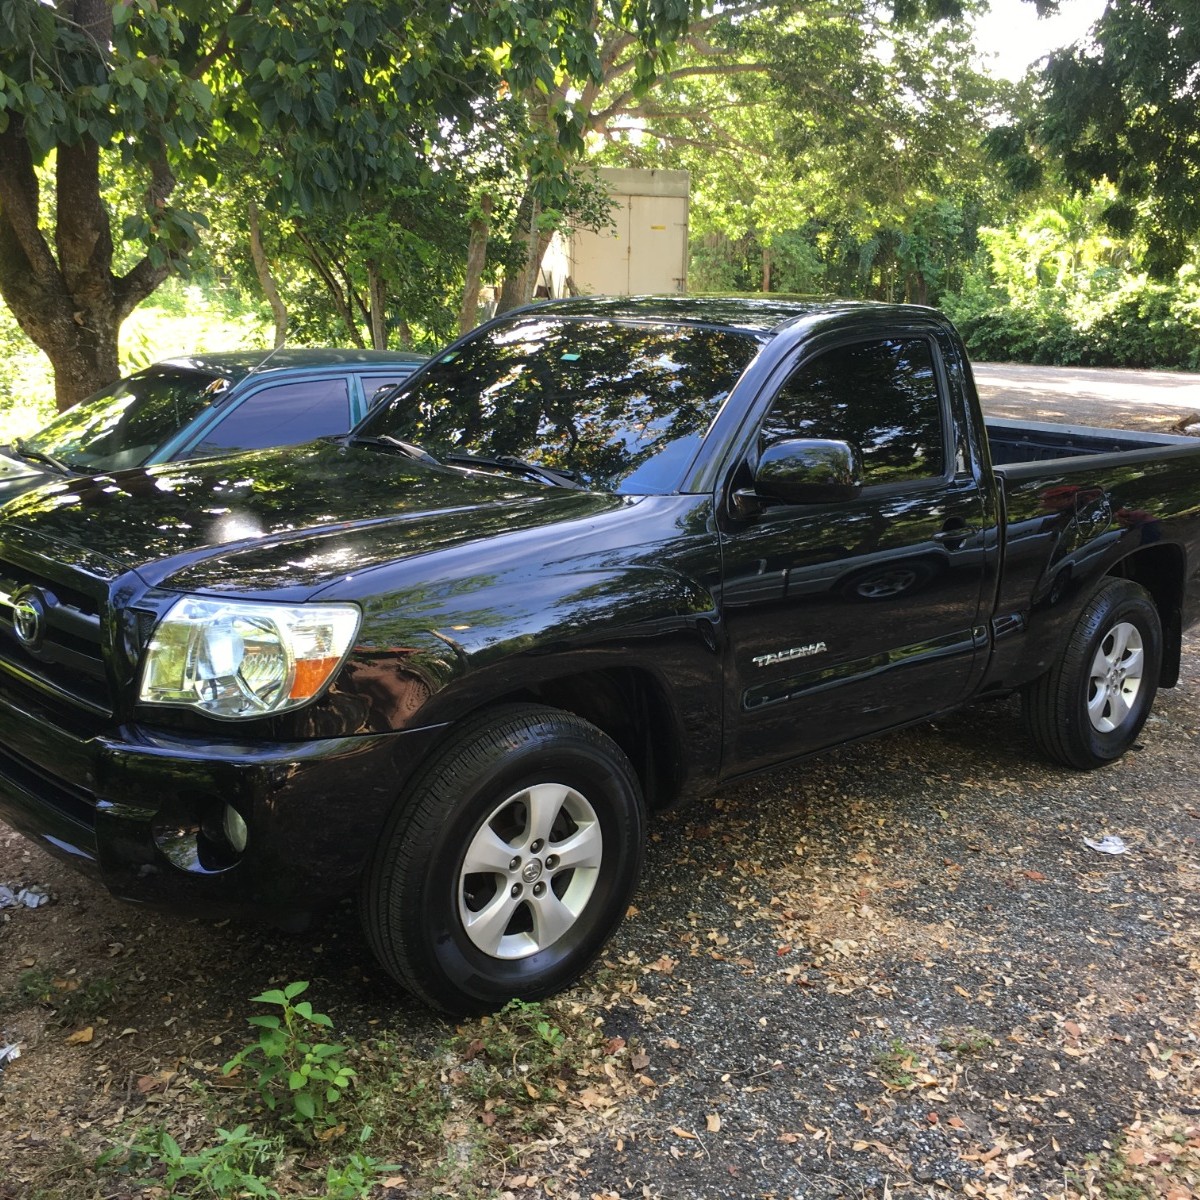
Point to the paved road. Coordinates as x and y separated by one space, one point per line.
1121 399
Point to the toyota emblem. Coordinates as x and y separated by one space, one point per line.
29 618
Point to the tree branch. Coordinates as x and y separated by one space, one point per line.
203 63
19 193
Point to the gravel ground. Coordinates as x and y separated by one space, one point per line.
1120 398
893 970
898 966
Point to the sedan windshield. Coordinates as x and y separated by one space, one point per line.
617 407
123 425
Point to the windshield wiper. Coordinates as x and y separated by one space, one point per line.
507 462
391 443
25 451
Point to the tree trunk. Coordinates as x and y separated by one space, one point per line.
265 279
66 299
378 303
518 287
476 258
766 268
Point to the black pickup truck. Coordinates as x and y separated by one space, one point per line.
597 555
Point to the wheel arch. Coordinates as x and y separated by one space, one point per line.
629 704
1161 570
632 707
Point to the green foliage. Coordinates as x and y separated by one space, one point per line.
896 1064
26 389
514 1057
354 1177
1127 109
240 1163
72 999
968 1042
286 1068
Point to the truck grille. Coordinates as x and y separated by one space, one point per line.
51 639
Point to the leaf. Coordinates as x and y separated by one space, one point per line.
305 1105
81 1036
272 997
713 1121
294 989
266 1021
683 1133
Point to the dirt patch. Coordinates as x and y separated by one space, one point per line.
895 970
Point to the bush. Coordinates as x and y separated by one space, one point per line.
1136 324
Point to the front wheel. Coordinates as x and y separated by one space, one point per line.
509 862
1088 709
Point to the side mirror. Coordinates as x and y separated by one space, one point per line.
808 471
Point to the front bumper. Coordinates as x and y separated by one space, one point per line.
137 807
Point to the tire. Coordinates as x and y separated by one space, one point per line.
511 785
1089 708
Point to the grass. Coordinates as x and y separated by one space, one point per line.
896 1064
75 1001
968 1042
443 1115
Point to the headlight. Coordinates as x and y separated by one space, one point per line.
238 658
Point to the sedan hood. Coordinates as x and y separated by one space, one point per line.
282 522
18 476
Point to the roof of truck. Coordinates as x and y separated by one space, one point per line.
758 314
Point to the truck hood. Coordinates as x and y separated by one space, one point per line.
280 522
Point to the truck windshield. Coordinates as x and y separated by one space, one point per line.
618 407
123 425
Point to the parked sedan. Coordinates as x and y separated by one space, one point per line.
205 405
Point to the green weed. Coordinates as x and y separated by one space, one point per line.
240 1163
287 1066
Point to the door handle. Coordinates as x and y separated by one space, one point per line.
954 532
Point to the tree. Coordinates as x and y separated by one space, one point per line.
330 99
832 117
1127 108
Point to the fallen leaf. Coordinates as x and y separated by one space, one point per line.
713 1121
1036 876
81 1036
683 1133
640 1061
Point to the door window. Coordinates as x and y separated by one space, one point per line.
375 387
281 415
880 395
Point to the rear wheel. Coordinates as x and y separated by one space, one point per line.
509 862
1088 709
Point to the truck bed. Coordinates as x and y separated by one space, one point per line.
1015 442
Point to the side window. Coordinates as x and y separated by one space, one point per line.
375 387
281 415
881 395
